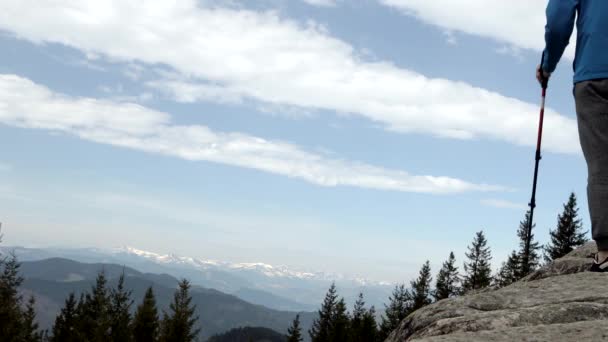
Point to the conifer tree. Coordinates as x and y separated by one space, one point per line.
370 326
340 323
120 316
95 312
356 323
11 317
478 273
294 333
321 327
448 279
178 326
569 233
145 322
17 324
80 309
400 305
66 324
528 259
361 327
30 332
509 271
421 288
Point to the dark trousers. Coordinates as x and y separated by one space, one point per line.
592 115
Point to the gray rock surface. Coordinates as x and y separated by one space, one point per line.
560 302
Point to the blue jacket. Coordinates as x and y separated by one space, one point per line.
591 60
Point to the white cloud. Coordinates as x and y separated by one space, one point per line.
325 3
450 38
503 204
25 104
512 51
230 54
5 167
28 105
519 23
189 92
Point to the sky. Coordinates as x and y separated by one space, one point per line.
358 137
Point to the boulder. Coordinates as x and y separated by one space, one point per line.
559 302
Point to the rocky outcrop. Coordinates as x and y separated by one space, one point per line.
560 302
576 261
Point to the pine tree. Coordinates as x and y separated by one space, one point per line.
361 327
448 278
322 325
145 322
478 273
95 312
294 333
400 305
11 317
30 332
340 323
509 271
569 233
421 288
17 324
530 259
370 326
179 325
356 323
120 316
66 324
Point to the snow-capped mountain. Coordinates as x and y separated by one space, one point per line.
278 287
262 268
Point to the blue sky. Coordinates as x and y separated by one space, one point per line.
361 138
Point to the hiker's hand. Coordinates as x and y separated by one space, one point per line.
538 75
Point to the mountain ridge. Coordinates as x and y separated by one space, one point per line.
51 281
277 287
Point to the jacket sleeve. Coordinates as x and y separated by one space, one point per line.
560 23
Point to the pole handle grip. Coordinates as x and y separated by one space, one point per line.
544 81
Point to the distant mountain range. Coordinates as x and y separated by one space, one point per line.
276 287
51 281
249 334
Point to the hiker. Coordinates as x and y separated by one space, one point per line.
590 95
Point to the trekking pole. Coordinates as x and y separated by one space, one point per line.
544 82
